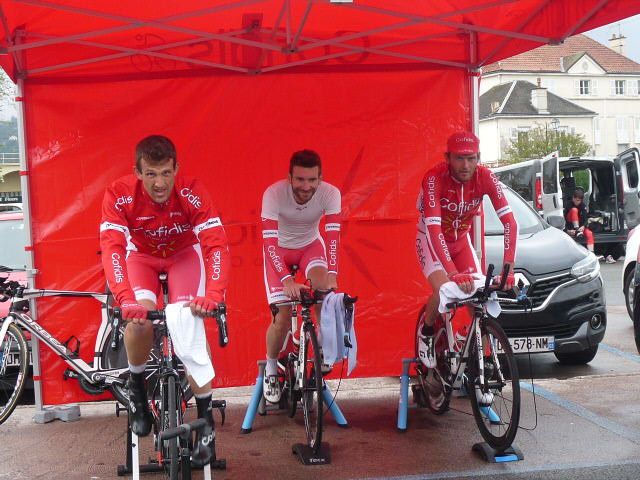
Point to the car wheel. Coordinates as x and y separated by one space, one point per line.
628 290
577 358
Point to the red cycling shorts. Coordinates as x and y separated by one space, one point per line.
185 272
461 251
313 255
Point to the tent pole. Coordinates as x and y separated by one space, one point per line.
26 208
474 116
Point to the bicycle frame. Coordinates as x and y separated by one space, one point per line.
93 373
457 369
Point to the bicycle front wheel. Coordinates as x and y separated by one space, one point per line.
14 362
312 389
169 415
494 396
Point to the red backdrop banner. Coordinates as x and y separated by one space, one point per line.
376 133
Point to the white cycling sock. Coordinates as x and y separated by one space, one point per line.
272 366
138 368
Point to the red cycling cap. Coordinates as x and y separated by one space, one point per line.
463 143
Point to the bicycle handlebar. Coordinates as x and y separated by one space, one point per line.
482 294
159 316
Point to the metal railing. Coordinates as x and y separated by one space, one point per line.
10 157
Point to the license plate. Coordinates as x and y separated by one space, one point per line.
529 345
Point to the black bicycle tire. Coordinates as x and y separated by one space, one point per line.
21 374
422 372
505 440
313 427
174 461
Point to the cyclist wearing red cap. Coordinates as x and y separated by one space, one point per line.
451 196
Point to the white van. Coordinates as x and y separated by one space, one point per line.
611 192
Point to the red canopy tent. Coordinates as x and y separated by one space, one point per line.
374 86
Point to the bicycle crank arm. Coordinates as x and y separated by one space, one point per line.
220 405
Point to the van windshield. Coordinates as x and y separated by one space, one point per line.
528 220
519 178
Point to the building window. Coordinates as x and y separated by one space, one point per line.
622 131
585 87
518 133
596 131
619 87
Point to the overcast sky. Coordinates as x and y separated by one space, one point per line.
629 27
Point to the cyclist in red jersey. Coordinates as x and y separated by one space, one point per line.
155 221
451 196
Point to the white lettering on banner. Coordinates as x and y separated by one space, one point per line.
118 271
141 219
445 247
216 265
276 259
124 200
333 252
192 198
431 186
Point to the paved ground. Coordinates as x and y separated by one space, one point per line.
583 423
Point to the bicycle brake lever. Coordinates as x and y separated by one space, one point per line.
221 319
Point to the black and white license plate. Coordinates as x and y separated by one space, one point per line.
530 344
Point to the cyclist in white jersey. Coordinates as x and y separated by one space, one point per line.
291 214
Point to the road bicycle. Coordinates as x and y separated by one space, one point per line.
15 354
168 401
300 363
482 363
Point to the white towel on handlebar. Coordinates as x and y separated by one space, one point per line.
451 292
190 342
332 332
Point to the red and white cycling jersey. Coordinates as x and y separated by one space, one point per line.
132 221
448 206
288 224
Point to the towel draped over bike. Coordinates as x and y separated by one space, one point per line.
190 342
451 292
332 331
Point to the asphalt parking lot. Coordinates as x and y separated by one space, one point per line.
583 422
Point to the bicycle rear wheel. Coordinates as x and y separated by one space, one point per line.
312 389
430 380
496 400
14 362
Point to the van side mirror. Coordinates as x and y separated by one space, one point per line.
556 221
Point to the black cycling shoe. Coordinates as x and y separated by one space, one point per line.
204 447
140 417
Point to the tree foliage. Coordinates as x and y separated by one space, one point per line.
542 140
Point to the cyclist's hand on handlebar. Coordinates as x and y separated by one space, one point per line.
133 312
465 281
292 289
203 306
508 284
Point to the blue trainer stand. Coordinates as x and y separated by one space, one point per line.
257 404
488 454
403 403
